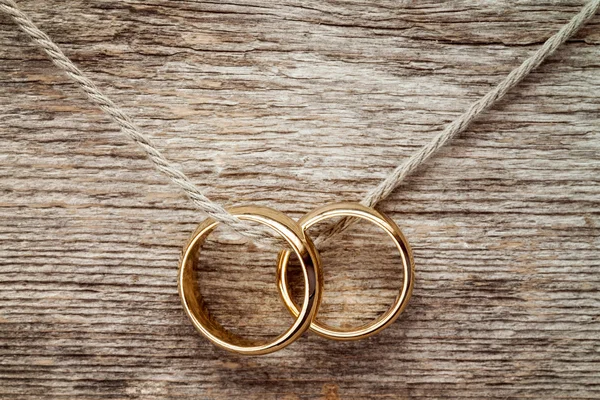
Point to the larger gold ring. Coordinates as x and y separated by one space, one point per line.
197 311
390 227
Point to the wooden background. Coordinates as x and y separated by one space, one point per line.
294 104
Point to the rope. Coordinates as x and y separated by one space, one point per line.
128 127
383 190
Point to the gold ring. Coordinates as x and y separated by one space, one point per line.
197 311
390 227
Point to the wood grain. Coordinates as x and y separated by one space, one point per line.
292 105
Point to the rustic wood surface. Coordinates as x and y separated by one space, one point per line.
292 105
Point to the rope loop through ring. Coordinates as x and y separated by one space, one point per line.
197 311
354 210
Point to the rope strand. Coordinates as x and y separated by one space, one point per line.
389 184
383 190
128 127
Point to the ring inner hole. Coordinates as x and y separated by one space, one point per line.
237 281
363 275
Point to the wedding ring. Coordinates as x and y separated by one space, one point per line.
358 211
198 313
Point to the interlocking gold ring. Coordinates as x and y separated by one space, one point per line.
390 227
198 313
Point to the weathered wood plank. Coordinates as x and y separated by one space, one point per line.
293 105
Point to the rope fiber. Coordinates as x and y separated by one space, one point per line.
383 190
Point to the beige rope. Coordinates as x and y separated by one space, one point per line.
383 190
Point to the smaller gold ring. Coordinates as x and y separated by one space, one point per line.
389 226
196 309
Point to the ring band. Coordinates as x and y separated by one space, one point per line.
390 227
197 311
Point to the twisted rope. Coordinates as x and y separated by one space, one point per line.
128 127
393 180
383 190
